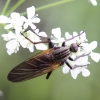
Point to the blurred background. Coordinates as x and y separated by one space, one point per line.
73 16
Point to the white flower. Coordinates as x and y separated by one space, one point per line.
80 64
32 18
81 68
15 22
13 42
94 2
12 47
88 48
57 36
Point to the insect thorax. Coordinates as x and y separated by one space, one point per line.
60 54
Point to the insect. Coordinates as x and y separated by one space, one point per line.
44 62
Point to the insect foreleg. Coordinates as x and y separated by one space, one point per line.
74 37
77 57
75 66
67 63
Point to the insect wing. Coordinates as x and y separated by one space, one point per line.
35 66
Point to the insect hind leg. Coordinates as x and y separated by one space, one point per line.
29 28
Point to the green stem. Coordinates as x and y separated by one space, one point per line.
14 7
5 7
50 5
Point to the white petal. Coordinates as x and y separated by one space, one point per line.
11 35
5 37
65 69
93 45
82 61
75 33
25 26
15 16
36 20
74 73
73 55
33 37
11 46
9 52
36 31
31 48
42 34
86 47
4 19
85 72
56 32
24 43
67 35
83 36
8 26
30 12
95 56
41 46
55 41
23 18
33 26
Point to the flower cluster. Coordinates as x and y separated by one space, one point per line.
17 24
18 36
80 59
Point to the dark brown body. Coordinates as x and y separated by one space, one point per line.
39 64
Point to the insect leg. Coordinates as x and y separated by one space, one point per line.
48 75
32 41
51 45
75 66
71 59
81 56
74 37
63 44
48 40
67 63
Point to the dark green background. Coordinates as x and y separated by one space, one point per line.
74 16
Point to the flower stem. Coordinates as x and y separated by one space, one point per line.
14 7
5 7
50 5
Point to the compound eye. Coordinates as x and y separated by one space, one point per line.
74 47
